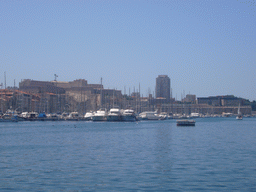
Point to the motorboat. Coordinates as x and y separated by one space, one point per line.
128 115
227 114
88 116
149 115
24 115
42 117
73 116
64 116
177 116
194 115
186 122
163 116
52 117
100 115
114 115
9 117
31 116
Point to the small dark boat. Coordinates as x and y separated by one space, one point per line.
186 122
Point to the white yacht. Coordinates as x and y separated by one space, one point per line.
32 116
194 115
73 116
163 116
227 114
88 116
24 115
52 117
64 116
149 115
100 115
114 115
128 115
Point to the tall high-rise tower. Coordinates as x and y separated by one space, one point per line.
163 87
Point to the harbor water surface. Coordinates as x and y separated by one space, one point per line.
218 154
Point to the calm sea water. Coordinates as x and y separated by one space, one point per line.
215 155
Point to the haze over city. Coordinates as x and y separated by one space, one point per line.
206 47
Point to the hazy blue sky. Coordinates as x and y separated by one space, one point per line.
206 47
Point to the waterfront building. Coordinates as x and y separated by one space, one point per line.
163 87
32 86
190 98
70 96
225 100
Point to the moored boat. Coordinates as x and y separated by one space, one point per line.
239 114
194 115
73 116
100 115
52 117
114 115
42 117
227 114
64 116
149 115
31 116
186 122
163 116
8 118
128 115
88 116
239 117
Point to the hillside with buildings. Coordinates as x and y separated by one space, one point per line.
79 95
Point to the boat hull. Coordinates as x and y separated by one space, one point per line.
114 118
186 123
239 118
99 118
130 118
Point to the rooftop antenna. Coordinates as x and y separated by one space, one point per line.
55 77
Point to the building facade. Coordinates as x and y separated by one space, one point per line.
225 100
163 87
33 86
190 98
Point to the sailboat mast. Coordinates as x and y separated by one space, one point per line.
101 92
113 98
5 80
